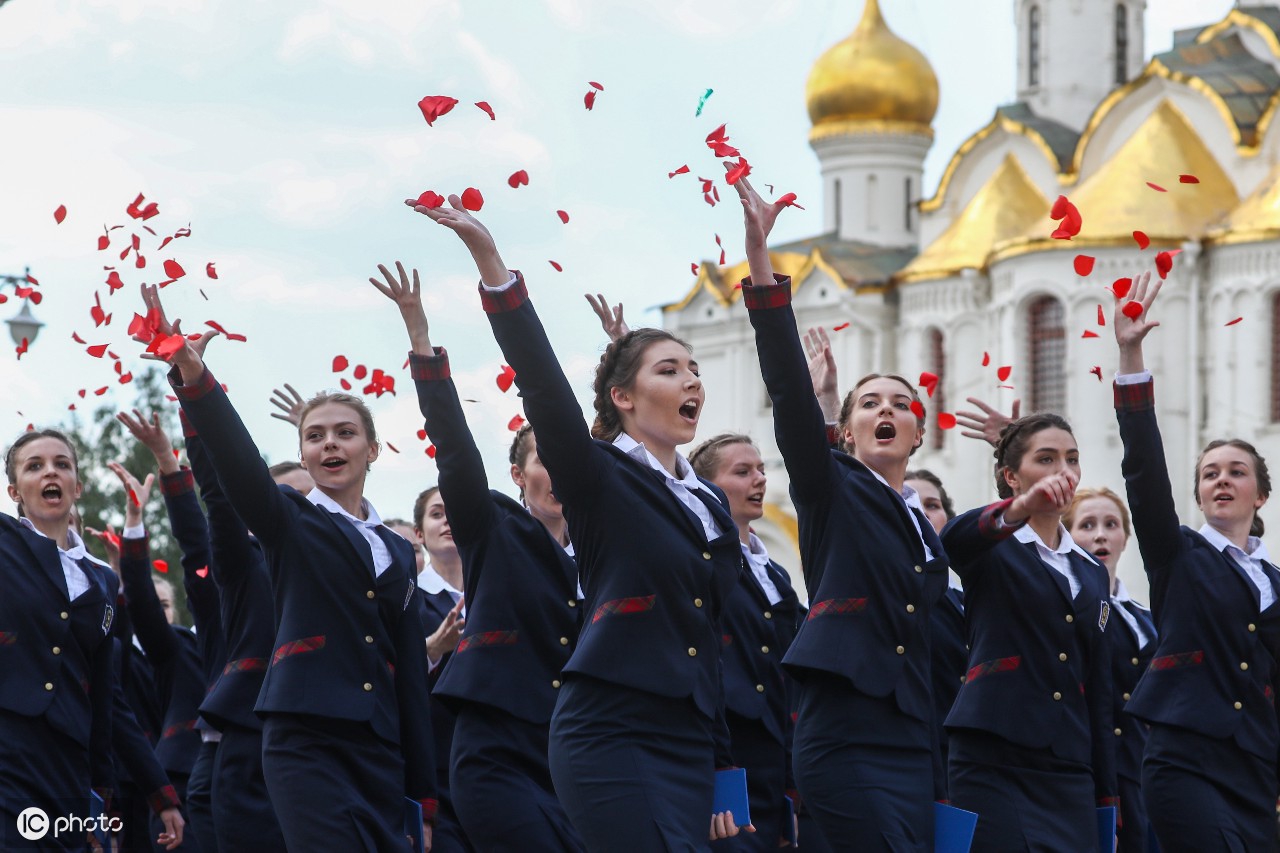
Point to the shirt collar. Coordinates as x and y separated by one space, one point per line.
430 582
1026 533
323 501
908 494
1121 594
75 552
754 549
1257 549
641 454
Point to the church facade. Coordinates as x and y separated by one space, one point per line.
968 280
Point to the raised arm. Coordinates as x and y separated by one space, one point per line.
1146 472
969 536
152 629
463 482
232 553
565 446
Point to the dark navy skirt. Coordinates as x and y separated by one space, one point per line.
43 768
635 771
765 761
242 813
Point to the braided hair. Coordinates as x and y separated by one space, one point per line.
1015 438
520 447
618 368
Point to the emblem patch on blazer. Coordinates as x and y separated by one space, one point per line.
1104 613
408 595
108 615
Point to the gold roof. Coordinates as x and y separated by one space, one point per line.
1115 200
1000 210
721 282
872 78
1257 218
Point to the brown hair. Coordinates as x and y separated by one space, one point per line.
283 469
1083 495
11 457
846 408
520 447
420 507
349 400
1260 473
618 368
930 477
1014 440
705 458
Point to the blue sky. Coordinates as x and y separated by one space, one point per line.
286 134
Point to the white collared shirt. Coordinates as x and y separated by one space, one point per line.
1251 561
1056 559
912 500
365 527
1119 597
77 580
682 487
757 557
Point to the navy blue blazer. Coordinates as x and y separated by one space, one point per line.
136 676
55 654
1128 662
1039 661
869 607
520 584
174 654
434 608
239 572
348 644
655 587
1214 667
950 658
756 636
132 750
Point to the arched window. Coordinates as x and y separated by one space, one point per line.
1275 357
1047 351
936 357
1122 45
1033 46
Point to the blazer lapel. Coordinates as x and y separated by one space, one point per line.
349 532
45 554
1056 576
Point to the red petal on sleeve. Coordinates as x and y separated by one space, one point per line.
160 565
60 214
472 199
484 105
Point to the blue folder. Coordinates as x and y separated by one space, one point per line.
789 822
413 825
95 811
731 795
952 829
1107 828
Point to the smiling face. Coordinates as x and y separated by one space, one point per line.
1227 487
1049 451
881 429
1098 526
45 483
931 500
336 450
435 533
662 406
741 477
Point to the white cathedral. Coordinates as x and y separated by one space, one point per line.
934 283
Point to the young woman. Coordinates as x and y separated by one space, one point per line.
347 728
874 569
56 674
1030 734
1209 771
638 727
1099 521
760 621
522 613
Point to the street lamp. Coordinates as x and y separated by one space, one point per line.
23 325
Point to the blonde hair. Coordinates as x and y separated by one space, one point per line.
1082 495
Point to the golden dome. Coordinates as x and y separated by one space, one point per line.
1256 219
871 77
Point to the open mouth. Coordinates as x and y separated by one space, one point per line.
756 499
689 411
1102 553
333 463
51 492
1222 497
886 431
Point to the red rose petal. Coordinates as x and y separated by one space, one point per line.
126 378
434 106
422 435
174 270
693 268
430 199
1084 264
103 242
392 447
1102 316
431 451
484 105
1120 287
97 350
589 100
556 266
1002 373
840 328
789 200
1059 208
114 282
929 382
160 565
210 271
986 359
683 170
1096 371
339 363
515 423
946 420
505 378
22 348
738 172
518 179
1164 263
202 572
75 337
472 199
1132 309
1233 322
1088 333
1157 187
917 408
1188 179
360 372
564 217
346 386
717 135
60 214
593 84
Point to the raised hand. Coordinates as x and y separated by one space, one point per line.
610 320
445 638
474 235
153 436
822 372
408 298
1131 331
111 543
1051 494
187 356
758 215
290 404
987 425
138 493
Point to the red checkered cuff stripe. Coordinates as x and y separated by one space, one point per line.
429 368
178 728
499 301
164 798
991 523
833 436
773 295
178 483
135 549
194 391
1137 397
188 429
429 809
